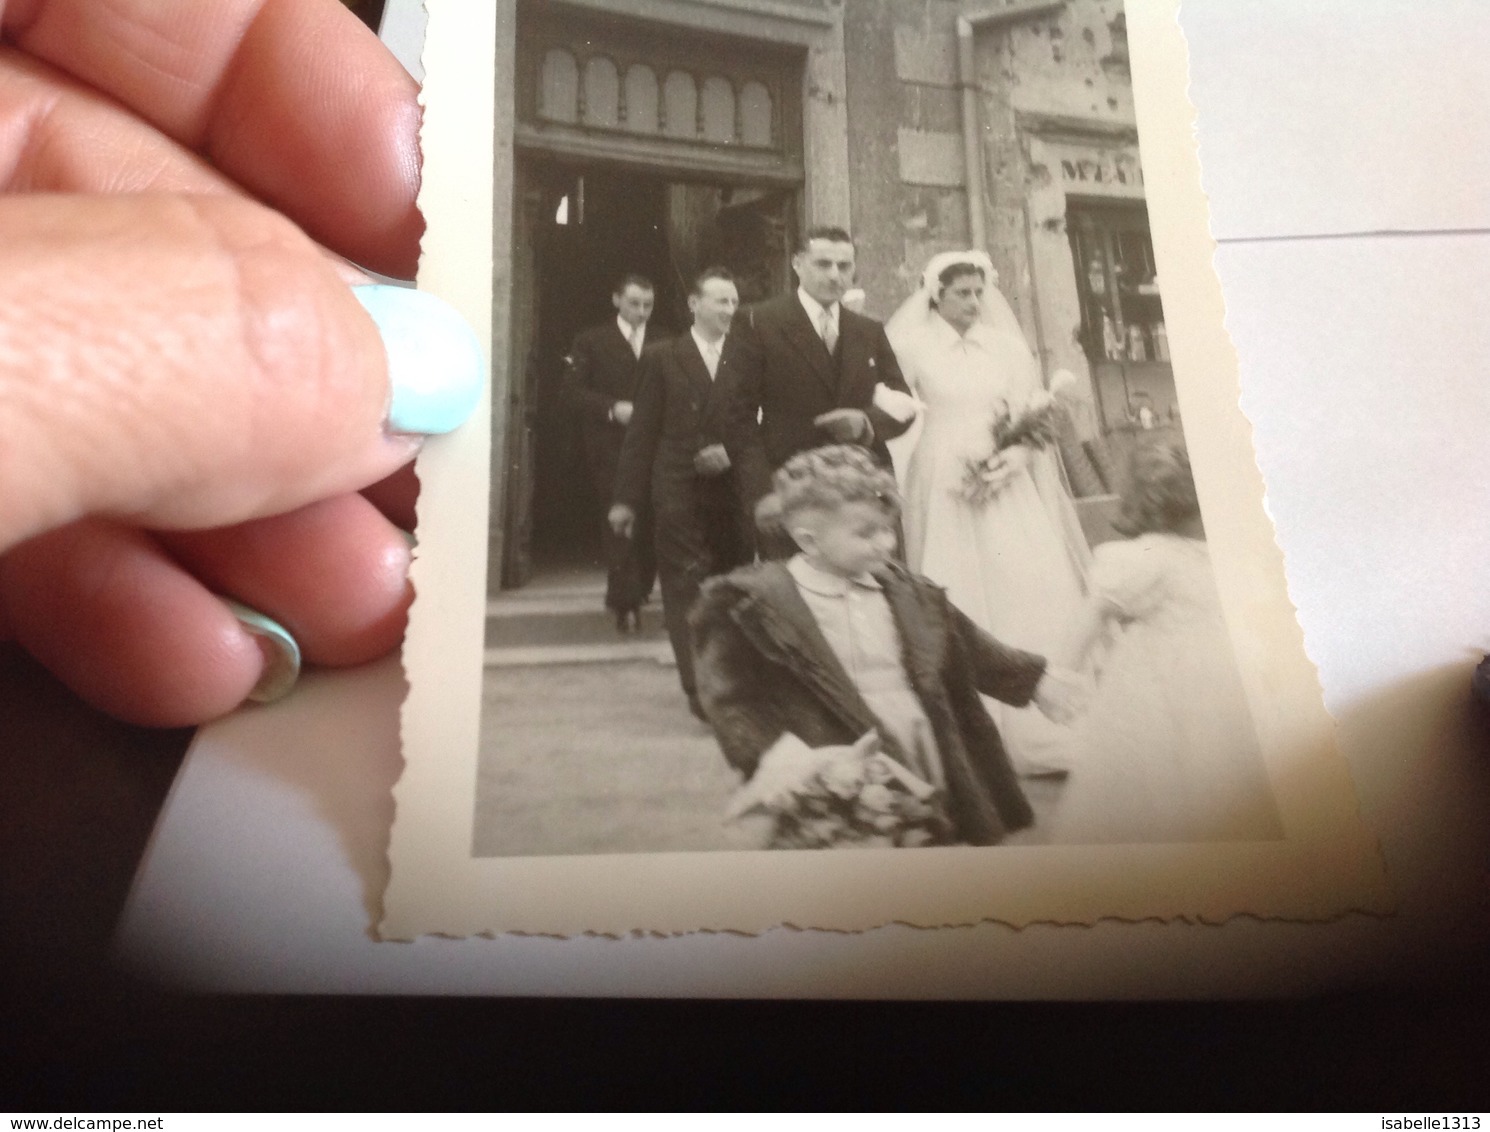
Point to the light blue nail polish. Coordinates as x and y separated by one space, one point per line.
281 657
435 363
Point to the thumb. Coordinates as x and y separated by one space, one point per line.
866 743
198 361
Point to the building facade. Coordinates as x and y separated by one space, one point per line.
663 135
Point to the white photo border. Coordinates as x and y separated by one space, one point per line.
1327 864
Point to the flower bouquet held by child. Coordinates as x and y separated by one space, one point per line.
840 797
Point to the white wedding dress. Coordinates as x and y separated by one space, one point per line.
1015 564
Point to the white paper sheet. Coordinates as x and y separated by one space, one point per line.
1328 116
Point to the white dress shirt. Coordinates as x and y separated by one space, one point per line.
710 350
636 335
815 311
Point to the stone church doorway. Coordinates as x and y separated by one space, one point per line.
581 228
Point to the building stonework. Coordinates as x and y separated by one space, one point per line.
927 183
1056 120
1053 87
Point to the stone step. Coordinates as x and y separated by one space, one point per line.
561 597
627 650
585 625
567 623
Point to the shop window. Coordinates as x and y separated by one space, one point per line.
1122 329
1122 317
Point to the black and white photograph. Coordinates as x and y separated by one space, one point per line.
845 499
865 471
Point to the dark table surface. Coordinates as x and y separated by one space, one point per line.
79 794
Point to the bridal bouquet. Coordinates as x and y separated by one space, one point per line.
841 797
1035 424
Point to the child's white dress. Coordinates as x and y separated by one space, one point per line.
1167 749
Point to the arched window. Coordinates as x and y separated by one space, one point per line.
719 110
602 93
680 106
613 89
641 100
558 89
755 114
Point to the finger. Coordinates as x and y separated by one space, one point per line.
196 362
266 90
334 573
126 628
57 135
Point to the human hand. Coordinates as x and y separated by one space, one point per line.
768 516
899 407
711 461
846 426
1006 466
1061 694
191 395
622 520
620 412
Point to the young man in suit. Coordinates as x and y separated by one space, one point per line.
806 377
600 378
674 458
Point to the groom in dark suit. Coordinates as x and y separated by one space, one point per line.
674 459
806 377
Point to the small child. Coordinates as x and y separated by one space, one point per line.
806 667
1166 749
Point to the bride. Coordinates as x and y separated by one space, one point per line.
1011 553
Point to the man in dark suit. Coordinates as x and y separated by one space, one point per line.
600 379
806 376
674 457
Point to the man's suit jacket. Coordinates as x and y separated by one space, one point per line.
599 371
678 410
787 375
765 669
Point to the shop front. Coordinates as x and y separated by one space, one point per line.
1096 286
1063 206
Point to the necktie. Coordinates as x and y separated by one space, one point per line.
711 359
825 327
636 341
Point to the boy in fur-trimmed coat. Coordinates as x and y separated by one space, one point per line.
841 640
